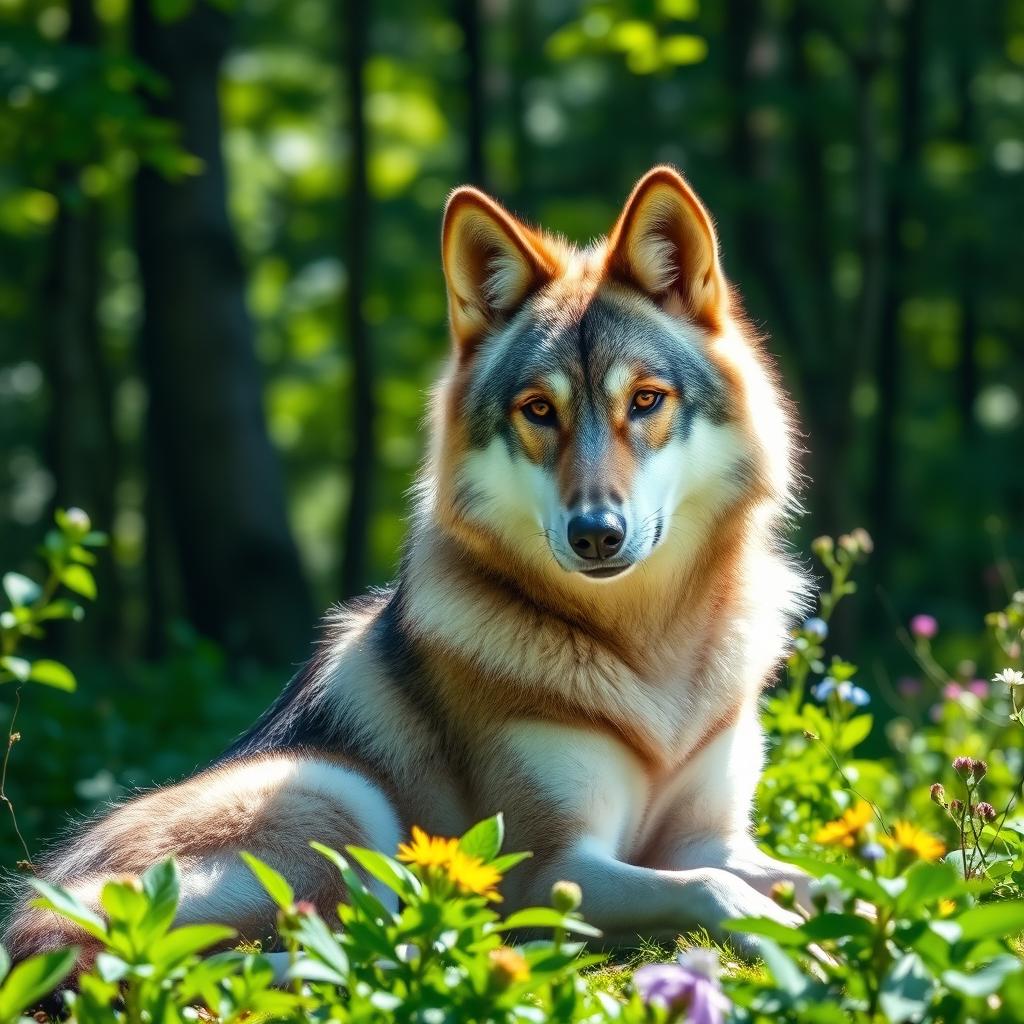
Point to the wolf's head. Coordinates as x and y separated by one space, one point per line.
603 408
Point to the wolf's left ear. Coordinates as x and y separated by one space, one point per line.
491 263
664 244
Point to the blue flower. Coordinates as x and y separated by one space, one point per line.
846 691
872 852
816 628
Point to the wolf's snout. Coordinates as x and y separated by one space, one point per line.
597 534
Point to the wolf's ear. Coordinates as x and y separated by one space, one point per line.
491 263
664 244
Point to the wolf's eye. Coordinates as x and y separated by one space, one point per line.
540 411
644 401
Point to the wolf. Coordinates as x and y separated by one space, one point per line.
593 596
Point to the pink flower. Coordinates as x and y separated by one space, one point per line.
979 687
690 985
924 627
952 691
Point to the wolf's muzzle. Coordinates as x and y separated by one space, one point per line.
597 534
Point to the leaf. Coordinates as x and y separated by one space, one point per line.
66 905
927 883
52 673
484 839
318 940
18 667
547 917
20 590
837 926
62 608
906 989
991 920
505 863
855 731
189 939
985 981
783 934
273 881
162 885
80 580
397 877
786 973
33 979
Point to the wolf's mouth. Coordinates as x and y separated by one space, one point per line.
605 572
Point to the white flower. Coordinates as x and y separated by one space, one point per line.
1010 676
701 961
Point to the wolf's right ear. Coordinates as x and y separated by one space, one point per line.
491 263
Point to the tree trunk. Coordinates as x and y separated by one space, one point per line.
217 471
467 14
81 446
356 537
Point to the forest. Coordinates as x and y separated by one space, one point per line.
222 310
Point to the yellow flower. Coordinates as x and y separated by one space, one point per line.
844 831
507 966
427 851
946 907
908 837
472 875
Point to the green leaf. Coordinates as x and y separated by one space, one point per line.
991 920
273 881
986 980
63 903
855 731
906 989
926 884
318 941
189 939
507 861
52 673
62 608
397 877
484 839
18 667
124 903
783 934
162 885
20 590
786 973
33 979
547 917
837 926
80 580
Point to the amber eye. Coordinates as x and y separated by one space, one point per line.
644 401
540 411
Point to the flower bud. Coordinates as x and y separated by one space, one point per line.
872 852
822 546
784 893
956 806
938 794
566 897
863 540
507 967
77 521
979 769
963 765
304 908
985 811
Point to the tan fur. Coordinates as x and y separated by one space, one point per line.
613 723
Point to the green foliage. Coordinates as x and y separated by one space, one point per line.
67 552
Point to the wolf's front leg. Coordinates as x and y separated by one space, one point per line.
578 798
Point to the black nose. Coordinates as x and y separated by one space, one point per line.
597 534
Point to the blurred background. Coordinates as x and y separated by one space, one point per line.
221 303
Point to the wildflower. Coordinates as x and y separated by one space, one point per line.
979 769
845 829
508 967
846 691
783 893
566 897
872 852
985 811
946 907
924 627
472 875
908 686
1010 676
938 794
952 691
427 851
822 546
690 984
979 688
816 628
78 521
956 806
863 540
907 837
963 765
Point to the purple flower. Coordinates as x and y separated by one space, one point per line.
816 628
924 627
985 811
963 765
909 686
872 852
690 985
